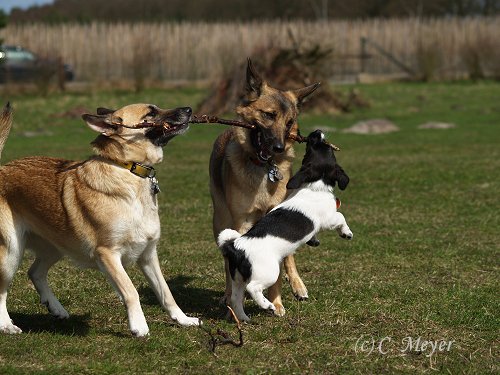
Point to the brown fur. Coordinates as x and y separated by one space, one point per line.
94 211
241 192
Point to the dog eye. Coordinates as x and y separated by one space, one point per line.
152 112
290 123
269 115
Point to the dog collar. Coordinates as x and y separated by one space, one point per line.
257 162
339 203
139 169
143 171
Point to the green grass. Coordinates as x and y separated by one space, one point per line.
423 206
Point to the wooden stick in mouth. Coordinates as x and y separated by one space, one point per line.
208 119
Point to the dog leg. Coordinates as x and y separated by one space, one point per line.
241 227
238 299
340 224
274 294
150 267
10 257
298 287
226 299
110 264
255 291
38 275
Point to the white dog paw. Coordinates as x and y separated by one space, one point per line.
185 320
270 307
139 329
10 329
140 332
279 310
346 233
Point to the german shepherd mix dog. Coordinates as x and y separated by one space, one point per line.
249 169
101 212
254 258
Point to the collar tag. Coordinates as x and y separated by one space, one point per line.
155 187
274 173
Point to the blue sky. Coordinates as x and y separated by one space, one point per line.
7 5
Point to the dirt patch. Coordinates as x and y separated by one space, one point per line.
437 125
375 126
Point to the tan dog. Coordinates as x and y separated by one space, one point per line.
101 212
249 169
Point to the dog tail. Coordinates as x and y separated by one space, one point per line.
227 235
236 257
5 125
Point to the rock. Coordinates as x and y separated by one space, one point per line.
375 126
437 125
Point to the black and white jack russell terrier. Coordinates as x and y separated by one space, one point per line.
255 257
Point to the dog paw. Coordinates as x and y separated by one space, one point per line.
345 232
140 330
299 289
244 318
139 333
185 320
313 242
347 235
57 310
279 310
10 329
269 306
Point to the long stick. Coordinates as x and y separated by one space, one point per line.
208 119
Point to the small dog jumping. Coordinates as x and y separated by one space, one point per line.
255 257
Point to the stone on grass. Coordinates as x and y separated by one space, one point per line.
375 126
437 125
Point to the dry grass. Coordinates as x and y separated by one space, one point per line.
101 51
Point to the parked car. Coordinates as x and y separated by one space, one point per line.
20 65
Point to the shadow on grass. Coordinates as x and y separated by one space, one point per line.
75 325
204 303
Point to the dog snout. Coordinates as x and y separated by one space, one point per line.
278 147
179 115
186 110
315 137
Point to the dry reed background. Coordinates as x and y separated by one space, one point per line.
435 48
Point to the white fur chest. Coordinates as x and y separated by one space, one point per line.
142 228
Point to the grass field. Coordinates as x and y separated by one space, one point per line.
423 206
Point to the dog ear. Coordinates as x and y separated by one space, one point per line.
299 178
104 111
340 176
304 92
254 81
100 123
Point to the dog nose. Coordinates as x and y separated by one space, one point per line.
187 110
278 148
